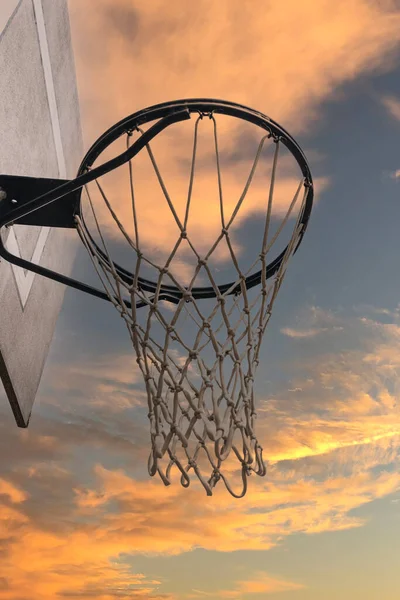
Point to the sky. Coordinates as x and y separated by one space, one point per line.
80 517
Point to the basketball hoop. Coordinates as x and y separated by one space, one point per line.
197 342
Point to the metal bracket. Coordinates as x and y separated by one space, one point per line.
18 191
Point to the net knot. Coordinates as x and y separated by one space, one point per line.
184 234
193 355
216 476
224 231
246 468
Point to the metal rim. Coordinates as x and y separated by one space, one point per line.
206 107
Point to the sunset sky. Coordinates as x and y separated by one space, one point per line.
79 516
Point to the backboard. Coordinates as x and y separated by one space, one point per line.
41 137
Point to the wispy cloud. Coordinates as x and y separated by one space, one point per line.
340 400
258 583
108 380
313 322
392 105
303 333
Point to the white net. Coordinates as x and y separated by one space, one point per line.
198 348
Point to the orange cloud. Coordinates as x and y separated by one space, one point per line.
40 563
262 583
259 583
147 54
120 516
158 519
334 454
9 490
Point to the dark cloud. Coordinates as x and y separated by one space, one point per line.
124 19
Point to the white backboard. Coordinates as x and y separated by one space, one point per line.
40 137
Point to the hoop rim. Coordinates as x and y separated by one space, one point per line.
206 107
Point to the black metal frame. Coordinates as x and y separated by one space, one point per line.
56 203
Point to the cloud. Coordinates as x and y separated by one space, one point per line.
314 321
73 561
67 508
108 380
192 56
258 583
116 517
340 401
293 505
261 583
148 55
15 494
392 105
302 333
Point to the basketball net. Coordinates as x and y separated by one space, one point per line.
201 405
